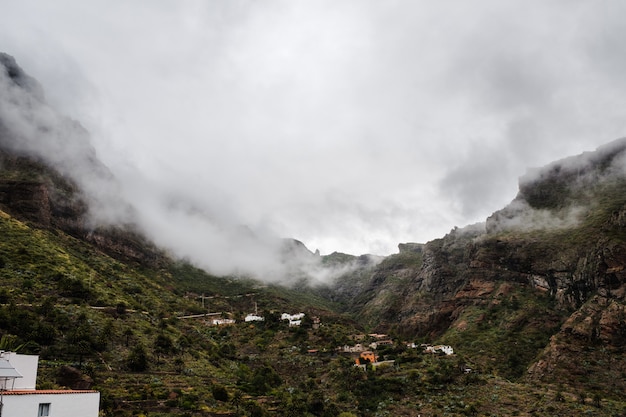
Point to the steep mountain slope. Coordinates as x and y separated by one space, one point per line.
79 288
536 289
50 174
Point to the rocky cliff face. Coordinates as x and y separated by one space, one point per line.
570 261
46 161
544 276
38 193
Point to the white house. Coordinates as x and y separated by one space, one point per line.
376 345
253 317
19 398
291 317
439 349
294 319
222 322
352 349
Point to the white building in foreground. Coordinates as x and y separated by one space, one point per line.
19 398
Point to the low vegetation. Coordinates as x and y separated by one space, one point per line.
122 328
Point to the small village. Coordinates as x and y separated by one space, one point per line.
363 351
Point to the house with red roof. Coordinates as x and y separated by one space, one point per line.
20 398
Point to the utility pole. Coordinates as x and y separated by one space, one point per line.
202 297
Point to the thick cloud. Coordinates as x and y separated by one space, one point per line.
350 125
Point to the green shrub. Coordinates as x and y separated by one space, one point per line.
220 393
137 360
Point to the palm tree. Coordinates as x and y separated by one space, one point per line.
9 343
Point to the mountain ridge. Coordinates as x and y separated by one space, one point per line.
542 281
540 285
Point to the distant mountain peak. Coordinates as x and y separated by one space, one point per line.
557 194
16 74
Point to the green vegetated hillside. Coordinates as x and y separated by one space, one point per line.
532 304
115 325
123 327
537 295
118 327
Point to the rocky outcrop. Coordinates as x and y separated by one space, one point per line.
559 195
50 203
15 73
571 264
588 350
34 192
410 247
30 199
544 276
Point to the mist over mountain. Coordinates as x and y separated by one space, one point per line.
187 229
538 286
350 126
555 196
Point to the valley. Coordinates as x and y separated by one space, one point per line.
532 301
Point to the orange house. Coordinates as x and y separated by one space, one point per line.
366 357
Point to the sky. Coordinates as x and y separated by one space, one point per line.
350 125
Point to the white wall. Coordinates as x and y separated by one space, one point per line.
26 365
61 405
